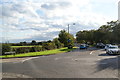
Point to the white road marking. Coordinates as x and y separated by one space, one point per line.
61 58
57 58
99 59
28 59
92 52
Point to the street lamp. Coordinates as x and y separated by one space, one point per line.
69 27
69 46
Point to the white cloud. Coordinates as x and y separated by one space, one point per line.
27 19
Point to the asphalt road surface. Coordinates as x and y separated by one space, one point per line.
90 63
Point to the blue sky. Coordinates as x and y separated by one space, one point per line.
27 20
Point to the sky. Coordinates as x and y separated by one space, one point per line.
41 20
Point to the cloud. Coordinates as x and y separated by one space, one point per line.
54 5
43 19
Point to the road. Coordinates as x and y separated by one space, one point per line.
91 63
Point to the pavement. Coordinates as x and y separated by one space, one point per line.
90 63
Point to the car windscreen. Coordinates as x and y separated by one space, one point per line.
82 45
114 47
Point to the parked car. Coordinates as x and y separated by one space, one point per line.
83 46
107 46
113 50
100 45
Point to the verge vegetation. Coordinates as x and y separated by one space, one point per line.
47 52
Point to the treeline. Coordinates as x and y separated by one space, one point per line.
109 33
33 42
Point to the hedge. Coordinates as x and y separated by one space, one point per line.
21 50
27 49
5 48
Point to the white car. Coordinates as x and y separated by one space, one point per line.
107 46
113 50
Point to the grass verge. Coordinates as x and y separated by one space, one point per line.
48 52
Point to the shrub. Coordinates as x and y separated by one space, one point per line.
36 49
5 48
33 49
22 50
27 49
58 43
49 46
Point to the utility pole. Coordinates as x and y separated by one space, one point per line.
68 28
69 46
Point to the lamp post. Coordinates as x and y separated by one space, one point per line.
69 27
69 46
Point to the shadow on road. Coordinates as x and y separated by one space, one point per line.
104 54
109 63
85 50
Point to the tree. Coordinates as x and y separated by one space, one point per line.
39 43
106 34
33 42
85 36
49 41
66 38
57 43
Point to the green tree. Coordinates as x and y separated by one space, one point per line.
85 36
108 33
33 42
66 38
58 43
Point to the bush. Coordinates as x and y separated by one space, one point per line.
5 48
58 43
27 49
36 49
33 49
22 50
49 46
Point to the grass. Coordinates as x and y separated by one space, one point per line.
48 52
21 46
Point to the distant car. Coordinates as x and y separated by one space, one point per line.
107 46
83 46
113 50
100 45
87 45
70 47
